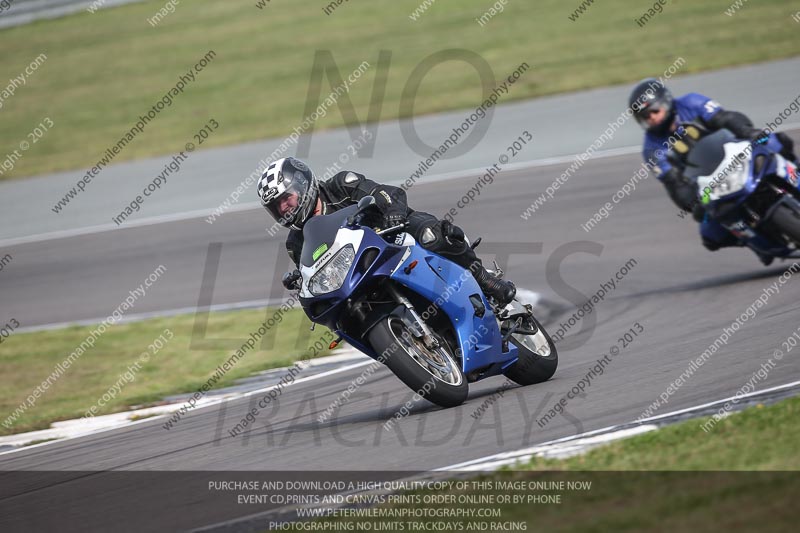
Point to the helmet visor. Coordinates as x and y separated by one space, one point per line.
286 205
644 112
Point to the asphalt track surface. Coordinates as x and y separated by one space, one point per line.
682 295
562 125
26 11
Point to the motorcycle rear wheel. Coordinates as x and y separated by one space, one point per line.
538 357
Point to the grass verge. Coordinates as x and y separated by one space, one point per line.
104 70
742 475
114 366
758 438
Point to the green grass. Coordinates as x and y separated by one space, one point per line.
177 367
759 438
741 476
105 69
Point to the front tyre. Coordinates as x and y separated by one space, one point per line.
787 220
433 374
538 357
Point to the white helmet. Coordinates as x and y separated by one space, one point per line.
289 190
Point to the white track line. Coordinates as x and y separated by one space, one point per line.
558 448
210 403
102 228
492 462
563 447
710 404
233 306
525 295
203 213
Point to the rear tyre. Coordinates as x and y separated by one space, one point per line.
538 357
787 220
433 374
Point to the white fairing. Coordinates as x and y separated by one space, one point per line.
515 308
731 174
344 237
403 239
786 169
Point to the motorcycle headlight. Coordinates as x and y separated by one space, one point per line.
331 276
734 179
730 180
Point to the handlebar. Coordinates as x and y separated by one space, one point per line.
392 229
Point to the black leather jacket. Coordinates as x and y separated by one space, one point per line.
345 189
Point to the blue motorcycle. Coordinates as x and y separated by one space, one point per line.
747 187
418 313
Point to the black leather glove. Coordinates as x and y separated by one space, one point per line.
291 280
453 233
788 146
682 191
699 212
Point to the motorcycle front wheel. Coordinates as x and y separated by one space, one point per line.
434 374
787 220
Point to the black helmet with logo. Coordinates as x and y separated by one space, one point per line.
289 190
650 96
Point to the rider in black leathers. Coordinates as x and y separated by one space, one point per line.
292 194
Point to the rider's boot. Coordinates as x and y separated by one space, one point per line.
503 291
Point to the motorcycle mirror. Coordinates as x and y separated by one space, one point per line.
365 203
291 280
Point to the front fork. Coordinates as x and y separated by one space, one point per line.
427 335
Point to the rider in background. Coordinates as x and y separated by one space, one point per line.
291 193
661 116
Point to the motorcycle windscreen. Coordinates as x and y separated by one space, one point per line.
707 154
731 172
320 232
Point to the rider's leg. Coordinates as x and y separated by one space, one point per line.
444 238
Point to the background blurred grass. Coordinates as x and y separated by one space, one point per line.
105 69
